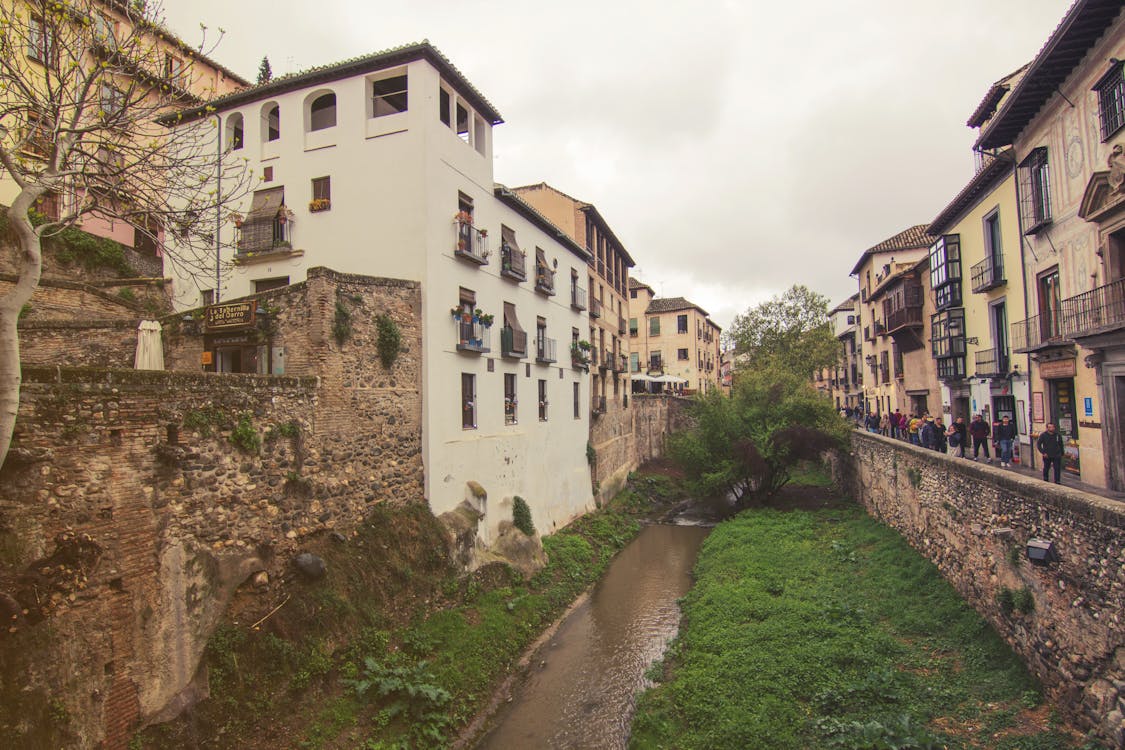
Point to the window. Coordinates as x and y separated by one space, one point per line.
851 320
173 67
682 354
945 271
654 326
389 96
632 294
321 194
111 101
105 31
634 362
267 174
577 402
264 285
462 124
1111 100
322 112
681 324
271 122
468 401
41 44
444 103
235 135
1034 190
510 402
654 362
992 245
632 326
543 403
206 297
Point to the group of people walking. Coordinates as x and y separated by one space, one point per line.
931 432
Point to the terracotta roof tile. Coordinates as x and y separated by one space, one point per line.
908 239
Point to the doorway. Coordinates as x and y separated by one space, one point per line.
1064 413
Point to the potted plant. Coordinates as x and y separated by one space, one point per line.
463 217
486 319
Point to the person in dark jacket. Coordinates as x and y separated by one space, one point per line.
1050 445
941 439
926 433
980 431
1005 436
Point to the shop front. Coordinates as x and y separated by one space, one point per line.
238 338
1061 407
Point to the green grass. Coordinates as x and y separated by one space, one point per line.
825 629
810 474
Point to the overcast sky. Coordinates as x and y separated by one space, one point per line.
735 146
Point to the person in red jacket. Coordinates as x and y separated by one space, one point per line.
980 431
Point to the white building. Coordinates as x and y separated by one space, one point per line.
382 166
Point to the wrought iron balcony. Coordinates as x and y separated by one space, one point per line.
595 307
1097 311
544 280
988 274
473 337
620 363
513 343
991 363
513 263
1037 332
578 298
605 361
579 358
471 243
545 350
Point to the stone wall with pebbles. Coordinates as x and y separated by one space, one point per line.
133 504
974 522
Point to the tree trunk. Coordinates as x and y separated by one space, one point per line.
30 267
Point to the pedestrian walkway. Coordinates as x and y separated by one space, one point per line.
1037 472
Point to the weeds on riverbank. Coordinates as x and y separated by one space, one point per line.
392 650
825 629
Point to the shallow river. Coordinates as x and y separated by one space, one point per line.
583 693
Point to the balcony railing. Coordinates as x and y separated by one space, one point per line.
621 325
471 243
656 364
513 263
605 361
1036 333
544 280
988 274
513 343
578 298
597 404
1097 311
473 337
545 350
904 317
621 364
880 329
579 358
991 363
595 307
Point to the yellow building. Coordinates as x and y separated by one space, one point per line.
672 336
1064 121
137 62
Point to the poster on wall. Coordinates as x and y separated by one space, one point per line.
1088 407
1037 406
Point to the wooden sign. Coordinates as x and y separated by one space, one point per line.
231 315
1037 406
205 358
1059 368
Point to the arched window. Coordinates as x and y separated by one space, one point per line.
271 122
235 135
322 112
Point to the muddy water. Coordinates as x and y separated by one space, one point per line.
581 692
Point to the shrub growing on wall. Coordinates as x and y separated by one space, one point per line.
390 340
521 516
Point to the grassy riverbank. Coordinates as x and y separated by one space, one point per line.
824 629
391 650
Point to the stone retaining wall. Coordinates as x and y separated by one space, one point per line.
134 503
974 521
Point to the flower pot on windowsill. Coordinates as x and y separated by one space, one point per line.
319 204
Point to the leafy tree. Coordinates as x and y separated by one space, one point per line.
748 444
82 84
790 331
265 72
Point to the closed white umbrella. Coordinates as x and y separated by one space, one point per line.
150 348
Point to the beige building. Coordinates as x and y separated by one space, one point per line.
1064 121
843 383
891 321
672 336
601 288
